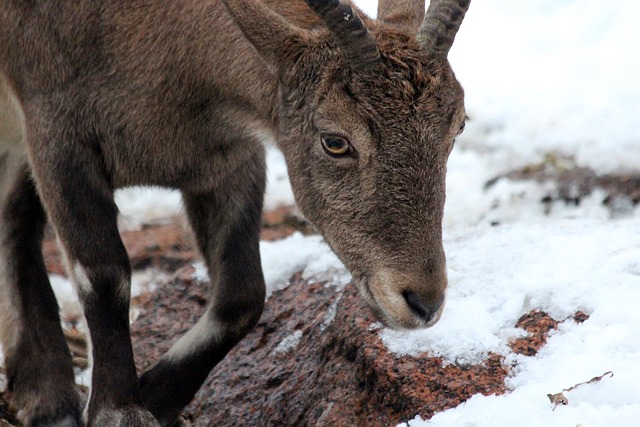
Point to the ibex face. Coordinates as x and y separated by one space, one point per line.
366 121
367 164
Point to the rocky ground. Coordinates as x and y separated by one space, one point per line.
314 359
571 183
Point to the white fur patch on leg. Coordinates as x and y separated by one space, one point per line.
83 284
81 279
204 333
85 412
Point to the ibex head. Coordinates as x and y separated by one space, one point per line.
366 117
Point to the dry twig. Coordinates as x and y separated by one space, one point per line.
561 399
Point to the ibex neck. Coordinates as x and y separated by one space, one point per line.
200 39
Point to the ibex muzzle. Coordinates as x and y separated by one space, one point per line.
111 93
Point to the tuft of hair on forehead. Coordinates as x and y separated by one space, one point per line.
407 75
408 72
409 91
408 81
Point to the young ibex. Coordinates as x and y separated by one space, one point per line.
111 93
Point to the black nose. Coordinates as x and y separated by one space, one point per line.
425 310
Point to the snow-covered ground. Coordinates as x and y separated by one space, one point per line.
542 77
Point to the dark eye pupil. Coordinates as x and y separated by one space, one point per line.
335 144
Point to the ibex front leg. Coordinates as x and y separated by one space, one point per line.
226 222
37 360
79 200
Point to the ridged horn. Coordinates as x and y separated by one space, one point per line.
353 37
440 25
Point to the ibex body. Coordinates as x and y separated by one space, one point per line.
105 94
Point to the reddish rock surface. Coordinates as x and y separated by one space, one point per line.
164 246
538 324
282 222
339 374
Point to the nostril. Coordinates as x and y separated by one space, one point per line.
423 309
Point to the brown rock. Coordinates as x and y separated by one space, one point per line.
572 183
538 324
339 373
165 246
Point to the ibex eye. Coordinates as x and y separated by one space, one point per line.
462 127
335 145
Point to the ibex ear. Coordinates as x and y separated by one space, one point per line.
275 39
405 15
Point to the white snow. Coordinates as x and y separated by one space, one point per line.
561 266
281 259
67 297
542 77
278 188
139 205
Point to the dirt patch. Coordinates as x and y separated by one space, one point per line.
572 183
538 325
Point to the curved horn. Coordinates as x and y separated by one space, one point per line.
440 25
354 39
